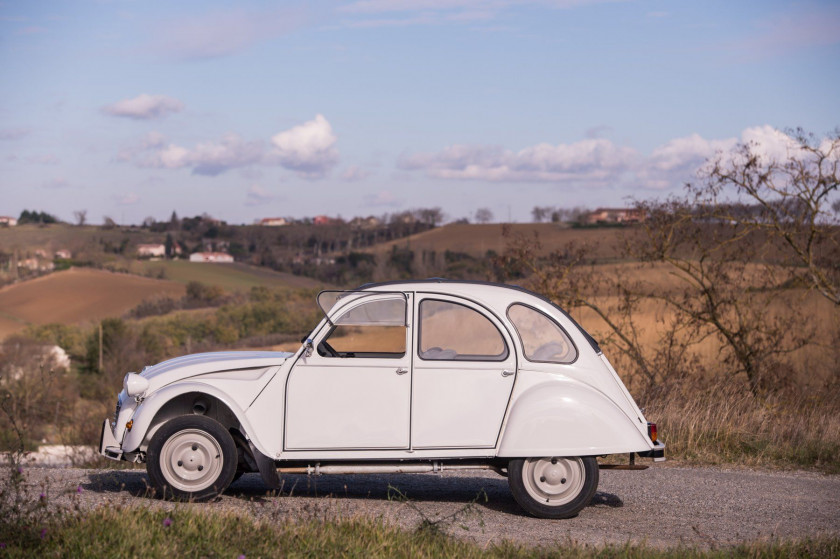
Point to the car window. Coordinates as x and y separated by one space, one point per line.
375 329
450 331
543 340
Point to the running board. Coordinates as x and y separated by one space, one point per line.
385 468
623 466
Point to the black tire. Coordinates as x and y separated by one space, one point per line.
553 487
192 458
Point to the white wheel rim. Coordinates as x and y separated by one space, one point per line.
553 481
191 460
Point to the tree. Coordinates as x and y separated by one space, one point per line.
483 215
169 247
430 216
80 217
540 213
108 223
788 198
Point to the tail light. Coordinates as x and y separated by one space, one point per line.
652 431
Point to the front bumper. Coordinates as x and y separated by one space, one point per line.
658 452
108 445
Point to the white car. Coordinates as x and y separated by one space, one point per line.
418 376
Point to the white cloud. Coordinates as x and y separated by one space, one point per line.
128 199
590 160
145 107
308 148
257 196
208 158
354 173
222 33
435 12
596 162
816 26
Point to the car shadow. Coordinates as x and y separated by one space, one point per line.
485 492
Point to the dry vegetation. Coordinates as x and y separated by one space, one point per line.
725 317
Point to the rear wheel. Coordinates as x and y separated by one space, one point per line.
191 457
553 487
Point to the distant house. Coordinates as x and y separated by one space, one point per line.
64 253
36 264
41 253
151 250
616 215
321 220
210 257
8 221
365 222
273 221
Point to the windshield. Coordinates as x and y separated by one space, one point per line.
364 308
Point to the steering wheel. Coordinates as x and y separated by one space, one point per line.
325 349
554 352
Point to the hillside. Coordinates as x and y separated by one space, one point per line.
477 239
76 295
231 277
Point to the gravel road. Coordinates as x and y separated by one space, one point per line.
663 506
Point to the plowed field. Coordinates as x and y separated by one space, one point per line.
76 295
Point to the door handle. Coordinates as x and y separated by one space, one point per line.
507 373
402 371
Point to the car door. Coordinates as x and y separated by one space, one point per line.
463 372
354 390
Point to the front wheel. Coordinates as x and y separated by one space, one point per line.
191 457
553 487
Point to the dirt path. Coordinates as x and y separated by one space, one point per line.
663 506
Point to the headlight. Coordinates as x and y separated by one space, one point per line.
135 385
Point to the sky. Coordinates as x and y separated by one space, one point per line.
133 109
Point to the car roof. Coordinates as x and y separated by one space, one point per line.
483 290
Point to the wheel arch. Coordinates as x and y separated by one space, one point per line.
568 418
186 399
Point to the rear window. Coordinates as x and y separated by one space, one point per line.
543 340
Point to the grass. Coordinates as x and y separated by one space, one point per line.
722 424
139 532
231 277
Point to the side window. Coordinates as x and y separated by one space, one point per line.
542 339
449 331
374 329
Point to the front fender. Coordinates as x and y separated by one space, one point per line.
562 417
146 412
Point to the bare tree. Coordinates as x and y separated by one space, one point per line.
483 215
788 200
540 213
80 216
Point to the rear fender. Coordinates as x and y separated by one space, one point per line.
146 420
563 417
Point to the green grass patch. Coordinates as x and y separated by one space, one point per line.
138 532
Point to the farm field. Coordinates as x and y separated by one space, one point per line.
76 295
477 239
55 236
230 277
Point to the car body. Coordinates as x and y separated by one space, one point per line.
397 377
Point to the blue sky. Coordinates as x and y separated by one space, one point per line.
131 109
